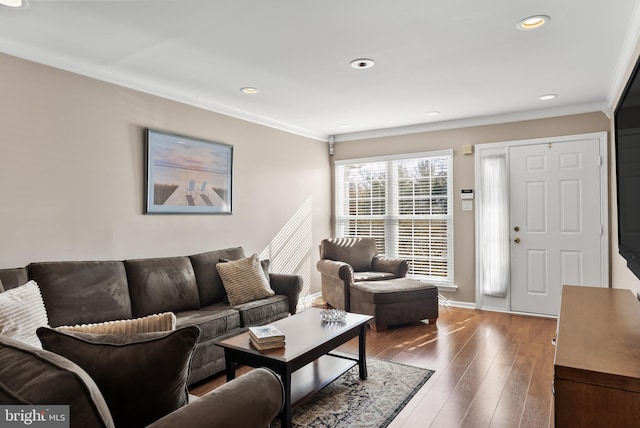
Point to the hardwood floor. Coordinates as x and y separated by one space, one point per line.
491 369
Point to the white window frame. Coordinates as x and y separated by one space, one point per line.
391 216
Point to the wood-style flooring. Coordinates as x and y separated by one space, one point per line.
491 369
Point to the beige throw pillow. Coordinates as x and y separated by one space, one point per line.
151 323
244 280
22 311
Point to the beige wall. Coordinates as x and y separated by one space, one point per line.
463 171
72 167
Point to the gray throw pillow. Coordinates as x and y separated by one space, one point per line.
142 377
33 376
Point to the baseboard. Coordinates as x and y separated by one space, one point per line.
307 301
506 311
456 304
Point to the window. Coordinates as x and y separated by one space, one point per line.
405 203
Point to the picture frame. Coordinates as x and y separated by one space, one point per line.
186 175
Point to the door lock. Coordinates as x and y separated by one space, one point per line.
517 240
517 229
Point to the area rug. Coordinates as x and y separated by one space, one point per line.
349 402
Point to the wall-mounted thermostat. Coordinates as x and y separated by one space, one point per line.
466 194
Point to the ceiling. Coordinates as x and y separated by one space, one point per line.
463 58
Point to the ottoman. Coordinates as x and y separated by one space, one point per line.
394 301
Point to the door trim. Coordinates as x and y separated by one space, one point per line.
504 303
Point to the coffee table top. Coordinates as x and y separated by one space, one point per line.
303 332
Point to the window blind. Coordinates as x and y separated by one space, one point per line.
405 204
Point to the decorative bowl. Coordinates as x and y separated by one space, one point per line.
333 315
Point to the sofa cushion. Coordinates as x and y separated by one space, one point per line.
32 376
213 320
166 284
142 377
83 292
357 252
158 322
12 278
244 280
261 311
210 286
22 312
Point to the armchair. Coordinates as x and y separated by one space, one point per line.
355 278
344 261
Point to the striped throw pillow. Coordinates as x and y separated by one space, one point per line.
22 311
244 280
159 322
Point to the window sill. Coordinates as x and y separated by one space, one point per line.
452 288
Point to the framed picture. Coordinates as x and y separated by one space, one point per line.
187 176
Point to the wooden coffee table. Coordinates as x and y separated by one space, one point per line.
305 364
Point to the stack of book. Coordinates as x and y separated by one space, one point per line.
266 337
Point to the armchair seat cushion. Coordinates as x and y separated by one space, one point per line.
372 276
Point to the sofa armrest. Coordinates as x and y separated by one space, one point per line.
288 285
399 267
252 400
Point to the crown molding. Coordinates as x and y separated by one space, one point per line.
163 91
626 60
43 57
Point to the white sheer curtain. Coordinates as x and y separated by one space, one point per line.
494 226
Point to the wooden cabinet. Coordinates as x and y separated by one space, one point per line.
597 360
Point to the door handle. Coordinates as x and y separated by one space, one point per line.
516 240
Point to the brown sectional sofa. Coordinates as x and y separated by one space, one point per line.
80 292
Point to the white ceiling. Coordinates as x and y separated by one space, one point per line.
464 58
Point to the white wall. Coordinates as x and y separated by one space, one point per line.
72 177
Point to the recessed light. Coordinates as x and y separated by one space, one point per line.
17 4
548 97
362 63
249 90
532 22
344 125
432 113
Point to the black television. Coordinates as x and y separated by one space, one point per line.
627 145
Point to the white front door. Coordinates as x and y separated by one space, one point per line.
556 226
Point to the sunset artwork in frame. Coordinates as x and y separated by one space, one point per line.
186 175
